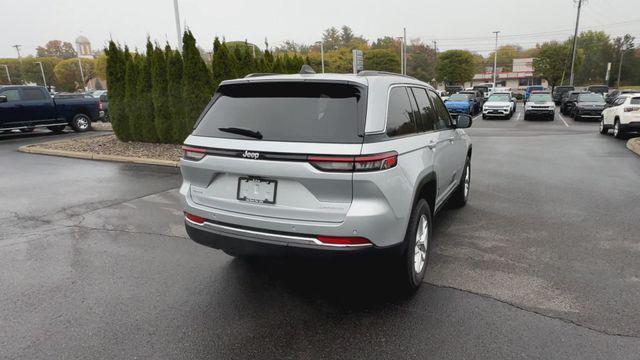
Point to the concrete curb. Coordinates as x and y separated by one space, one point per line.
37 149
634 145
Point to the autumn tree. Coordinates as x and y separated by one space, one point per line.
58 49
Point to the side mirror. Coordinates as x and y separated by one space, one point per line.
463 121
3 98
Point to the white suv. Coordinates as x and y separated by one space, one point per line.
324 163
622 116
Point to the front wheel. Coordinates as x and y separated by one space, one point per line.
617 131
81 123
418 239
603 128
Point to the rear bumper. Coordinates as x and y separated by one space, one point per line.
257 242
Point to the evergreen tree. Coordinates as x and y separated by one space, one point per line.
116 78
267 62
145 97
248 62
278 66
197 84
224 64
130 97
174 94
162 116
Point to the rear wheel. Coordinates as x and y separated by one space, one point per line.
81 123
57 129
461 194
415 259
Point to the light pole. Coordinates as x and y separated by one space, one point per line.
575 43
321 54
495 61
6 69
620 65
42 72
178 27
401 54
18 50
81 74
404 49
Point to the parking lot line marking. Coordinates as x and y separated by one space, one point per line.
519 112
562 118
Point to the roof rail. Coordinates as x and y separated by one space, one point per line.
382 73
260 74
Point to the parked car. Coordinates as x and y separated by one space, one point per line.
588 106
331 165
453 89
486 89
540 105
530 89
559 91
28 107
461 104
623 116
477 97
568 101
498 105
599 89
613 95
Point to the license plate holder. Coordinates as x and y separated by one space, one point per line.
257 190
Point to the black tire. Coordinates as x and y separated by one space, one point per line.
618 133
57 129
461 194
81 123
410 276
27 130
526 117
604 130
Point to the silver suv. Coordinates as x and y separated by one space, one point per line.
324 163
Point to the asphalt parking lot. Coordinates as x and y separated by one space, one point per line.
543 262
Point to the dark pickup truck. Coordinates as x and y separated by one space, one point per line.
25 108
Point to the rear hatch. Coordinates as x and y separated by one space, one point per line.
265 149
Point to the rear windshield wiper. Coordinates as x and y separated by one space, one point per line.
242 131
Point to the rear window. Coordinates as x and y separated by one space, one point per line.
287 111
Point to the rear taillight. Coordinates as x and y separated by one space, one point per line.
354 163
342 240
194 218
193 153
631 109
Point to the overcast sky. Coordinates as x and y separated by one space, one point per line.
454 23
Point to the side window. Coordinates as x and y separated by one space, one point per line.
635 101
427 114
442 114
573 97
400 116
12 95
32 94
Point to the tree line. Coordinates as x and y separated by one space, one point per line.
157 96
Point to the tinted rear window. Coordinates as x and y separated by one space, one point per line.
288 111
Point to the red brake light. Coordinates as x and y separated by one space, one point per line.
193 153
194 218
631 109
342 240
354 163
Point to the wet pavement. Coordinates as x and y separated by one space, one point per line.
542 263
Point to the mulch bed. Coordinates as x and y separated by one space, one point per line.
110 145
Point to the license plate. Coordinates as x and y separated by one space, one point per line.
261 191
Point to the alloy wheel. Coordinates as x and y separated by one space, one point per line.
422 244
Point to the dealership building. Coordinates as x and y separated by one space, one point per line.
519 78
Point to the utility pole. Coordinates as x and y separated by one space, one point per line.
18 50
620 65
321 54
6 68
575 42
495 61
42 72
178 27
81 73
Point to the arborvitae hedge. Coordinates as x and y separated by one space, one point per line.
158 96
